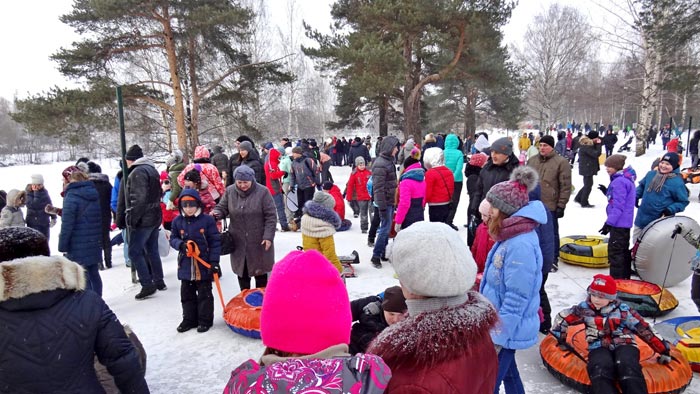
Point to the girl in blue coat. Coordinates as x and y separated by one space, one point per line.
193 227
662 193
513 272
620 211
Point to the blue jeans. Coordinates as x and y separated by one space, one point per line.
508 373
93 279
143 252
279 204
383 232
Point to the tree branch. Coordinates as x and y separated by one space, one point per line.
213 84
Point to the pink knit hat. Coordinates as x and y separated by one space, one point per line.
306 307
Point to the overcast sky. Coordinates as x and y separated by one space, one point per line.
31 32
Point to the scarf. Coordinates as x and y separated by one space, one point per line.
512 226
658 182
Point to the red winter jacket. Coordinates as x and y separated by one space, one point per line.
339 203
273 174
439 185
481 246
356 188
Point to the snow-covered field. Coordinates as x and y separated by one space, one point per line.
201 363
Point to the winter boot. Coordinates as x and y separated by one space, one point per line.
161 286
370 243
376 262
146 291
203 328
185 326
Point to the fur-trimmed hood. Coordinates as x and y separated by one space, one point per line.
316 210
30 275
424 342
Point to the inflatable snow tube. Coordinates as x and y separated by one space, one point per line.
585 250
684 332
659 258
569 366
242 313
648 299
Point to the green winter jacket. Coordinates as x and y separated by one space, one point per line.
454 159
286 166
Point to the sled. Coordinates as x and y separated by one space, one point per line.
292 202
242 313
585 250
691 175
684 332
626 146
648 299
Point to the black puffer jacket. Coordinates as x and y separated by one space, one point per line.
588 152
490 175
220 160
252 160
384 179
368 323
36 202
142 188
52 329
104 189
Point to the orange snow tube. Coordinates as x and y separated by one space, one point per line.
647 298
569 366
242 313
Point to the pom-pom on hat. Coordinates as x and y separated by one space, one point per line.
244 173
394 300
428 271
37 179
672 159
134 153
547 139
509 196
310 318
616 161
502 145
603 286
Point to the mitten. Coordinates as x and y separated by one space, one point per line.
216 269
560 212
605 230
372 308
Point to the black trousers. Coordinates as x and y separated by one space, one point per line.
621 365
197 302
582 195
456 196
106 246
439 213
244 281
303 195
544 304
619 253
374 224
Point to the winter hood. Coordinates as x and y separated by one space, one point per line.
35 274
433 157
13 197
388 145
534 210
201 152
451 142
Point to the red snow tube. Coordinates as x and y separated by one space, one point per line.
649 299
569 366
242 313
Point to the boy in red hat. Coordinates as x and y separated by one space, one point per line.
610 330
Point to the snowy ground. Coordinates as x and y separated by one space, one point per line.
201 363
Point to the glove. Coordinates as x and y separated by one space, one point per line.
664 359
636 203
397 227
666 212
183 247
603 189
216 269
605 230
560 212
372 308
52 222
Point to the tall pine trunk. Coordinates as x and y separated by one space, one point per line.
179 112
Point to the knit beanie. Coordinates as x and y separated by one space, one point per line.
592 134
297 150
603 286
502 145
69 171
547 139
269 146
428 271
246 146
360 161
193 176
410 160
83 166
244 173
94 168
478 160
37 179
327 185
19 242
511 195
324 199
616 161
394 300
672 159
308 318
484 207
134 153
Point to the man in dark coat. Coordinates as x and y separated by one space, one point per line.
304 179
52 328
220 161
384 183
588 166
373 314
575 144
358 149
104 190
138 210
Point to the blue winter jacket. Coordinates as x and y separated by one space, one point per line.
621 198
454 159
544 234
36 202
201 229
115 192
81 238
512 280
672 197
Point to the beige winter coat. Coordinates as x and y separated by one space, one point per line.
11 215
555 179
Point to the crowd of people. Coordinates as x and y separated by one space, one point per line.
489 287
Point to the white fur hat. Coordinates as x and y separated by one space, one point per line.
432 260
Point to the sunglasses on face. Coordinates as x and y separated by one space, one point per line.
189 204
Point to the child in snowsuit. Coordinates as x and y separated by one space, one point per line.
11 215
610 329
620 210
193 228
318 224
356 192
373 314
193 180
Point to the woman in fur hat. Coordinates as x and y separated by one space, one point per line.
52 328
512 276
